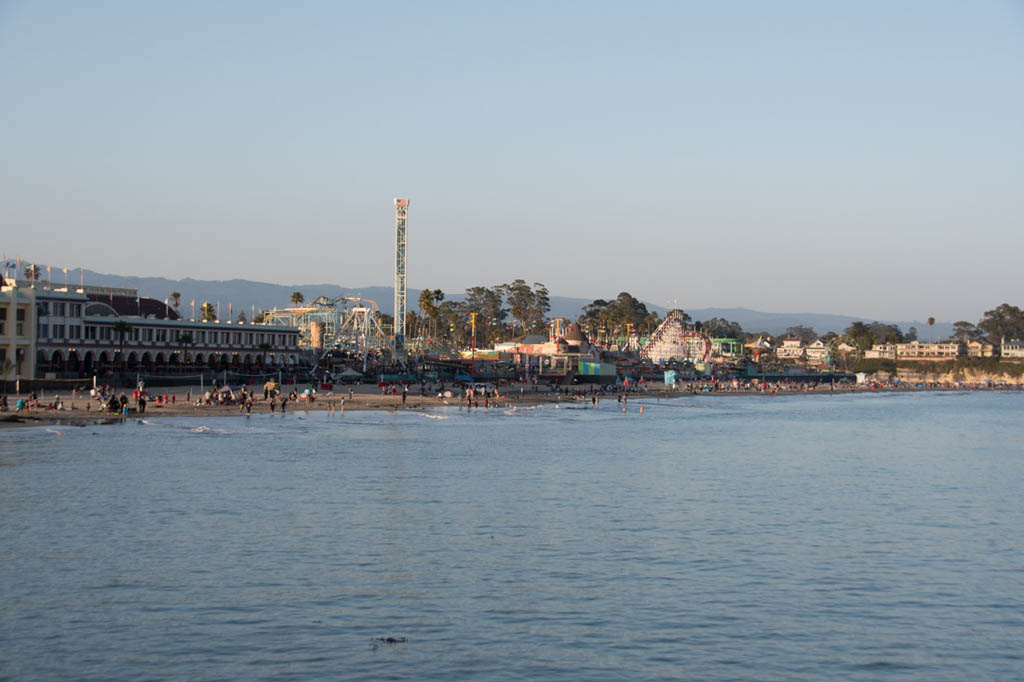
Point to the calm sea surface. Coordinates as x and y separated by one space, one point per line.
868 537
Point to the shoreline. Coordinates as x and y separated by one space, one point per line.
336 405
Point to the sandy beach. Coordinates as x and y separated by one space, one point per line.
82 409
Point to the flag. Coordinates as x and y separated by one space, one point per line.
65 270
47 272
193 302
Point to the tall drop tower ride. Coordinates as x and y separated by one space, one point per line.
401 213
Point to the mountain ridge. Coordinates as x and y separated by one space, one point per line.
247 295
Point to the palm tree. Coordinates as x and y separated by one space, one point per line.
297 297
176 297
931 323
122 328
428 302
208 312
6 367
185 339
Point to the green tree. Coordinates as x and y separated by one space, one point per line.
858 334
527 306
297 297
964 331
1003 322
208 312
931 325
487 303
242 319
805 334
32 272
176 299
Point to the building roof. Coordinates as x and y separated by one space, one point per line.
574 336
130 306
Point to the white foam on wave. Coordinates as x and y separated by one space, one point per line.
55 432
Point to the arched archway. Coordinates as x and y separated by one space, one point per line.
42 362
133 361
57 362
87 361
199 360
147 361
74 362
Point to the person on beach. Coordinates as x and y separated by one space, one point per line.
284 402
273 406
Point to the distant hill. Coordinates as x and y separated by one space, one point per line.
244 295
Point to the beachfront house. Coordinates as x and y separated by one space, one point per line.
943 350
980 348
817 353
1012 350
881 351
790 349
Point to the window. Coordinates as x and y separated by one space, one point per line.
58 331
3 313
44 308
19 329
202 337
248 338
76 309
58 309
75 331
147 334
21 315
238 337
106 333
90 332
43 330
224 337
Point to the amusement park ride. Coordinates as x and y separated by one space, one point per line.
344 323
351 323
673 341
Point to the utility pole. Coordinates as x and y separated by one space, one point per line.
472 318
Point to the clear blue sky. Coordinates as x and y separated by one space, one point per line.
861 158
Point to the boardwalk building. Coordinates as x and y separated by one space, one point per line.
97 330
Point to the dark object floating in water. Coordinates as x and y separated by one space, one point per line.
390 640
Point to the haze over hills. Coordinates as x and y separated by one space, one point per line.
245 295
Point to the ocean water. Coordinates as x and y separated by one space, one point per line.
854 537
